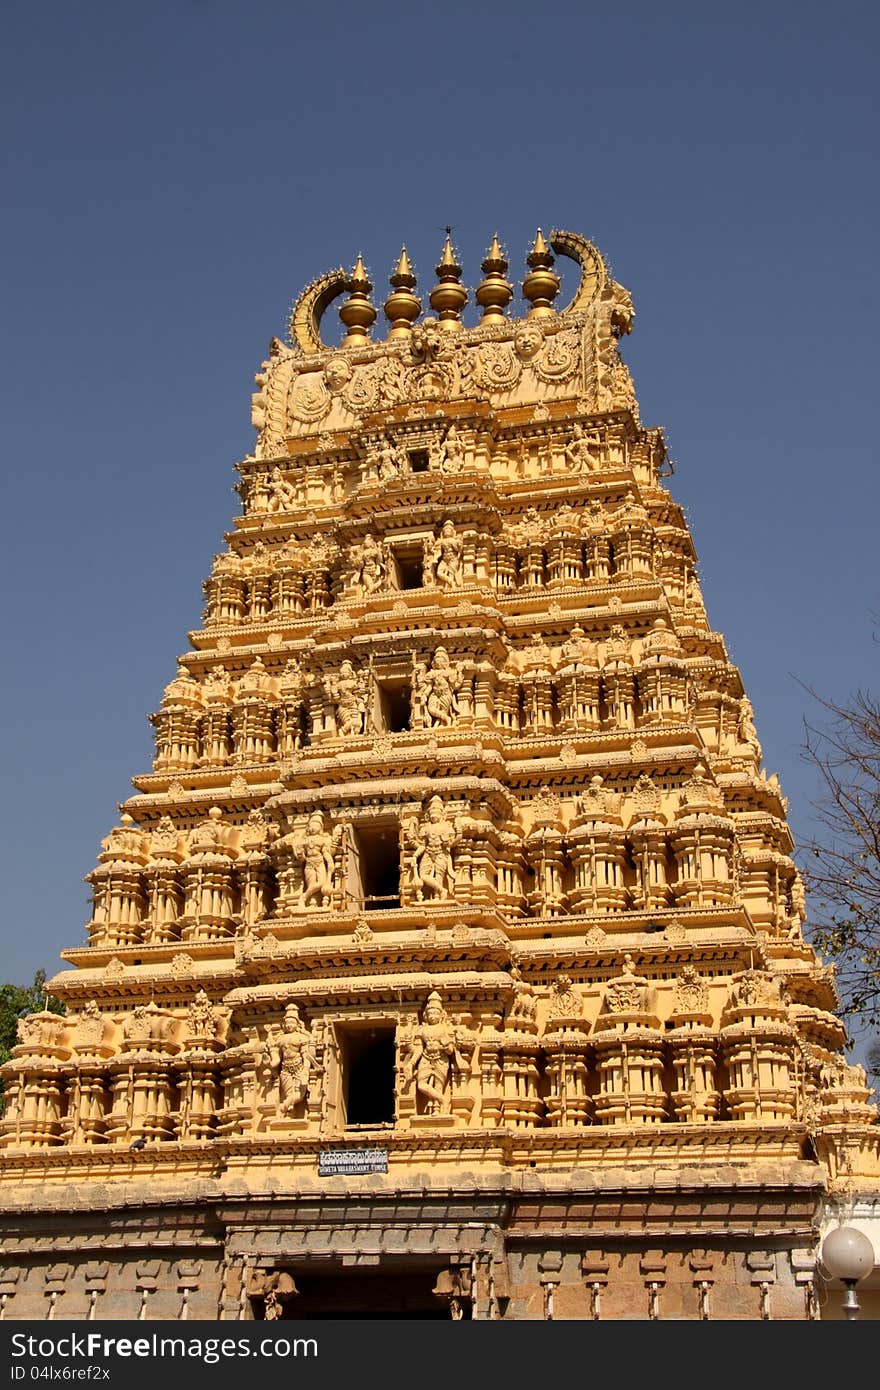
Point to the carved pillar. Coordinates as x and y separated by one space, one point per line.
545 855
647 838
692 1045
619 690
118 886
758 1044
566 1050
703 847
177 724
629 1047
596 845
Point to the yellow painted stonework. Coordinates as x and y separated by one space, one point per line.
457 847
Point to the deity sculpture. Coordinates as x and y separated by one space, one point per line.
386 460
431 840
444 555
436 689
578 452
348 692
282 494
433 1053
746 731
315 852
370 565
452 456
289 1051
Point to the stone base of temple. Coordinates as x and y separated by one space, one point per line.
650 1245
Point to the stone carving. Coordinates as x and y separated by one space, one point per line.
201 1018
436 690
451 455
182 964
565 1002
309 398
691 992
627 993
755 987
88 1028
745 729
528 341
385 460
348 692
496 367
370 566
433 1052
315 850
147 1026
559 359
337 374
443 558
430 841
524 1009
282 494
290 1053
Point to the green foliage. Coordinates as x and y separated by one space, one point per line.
16 1000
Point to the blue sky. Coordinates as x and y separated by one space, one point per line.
174 173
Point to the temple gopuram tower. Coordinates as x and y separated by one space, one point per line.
449 961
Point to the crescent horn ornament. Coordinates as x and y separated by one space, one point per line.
309 309
593 272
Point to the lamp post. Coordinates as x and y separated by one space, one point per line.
848 1255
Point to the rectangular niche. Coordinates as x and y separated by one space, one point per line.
395 706
377 865
408 564
367 1055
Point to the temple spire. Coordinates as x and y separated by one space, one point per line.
357 313
449 296
402 307
494 293
542 285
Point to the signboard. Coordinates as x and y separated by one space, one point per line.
349 1161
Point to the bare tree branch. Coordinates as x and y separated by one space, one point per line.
842 867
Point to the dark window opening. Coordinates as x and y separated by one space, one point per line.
409 570
368 1072
395 704
368 1294
379 856
418 460
305 735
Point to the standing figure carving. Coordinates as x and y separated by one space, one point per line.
433 1053
436 689
370 565
282 494
579 454
315 852
289 1052
431 840
348 692
386 460
452 457
444 558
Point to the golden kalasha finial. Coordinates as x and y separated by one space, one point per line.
542 285
357 313
494 293
402 308
448 297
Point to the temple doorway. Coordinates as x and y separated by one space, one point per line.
366 1294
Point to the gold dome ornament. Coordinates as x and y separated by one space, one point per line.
448 297
494 293
402 307
357 313
541 285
